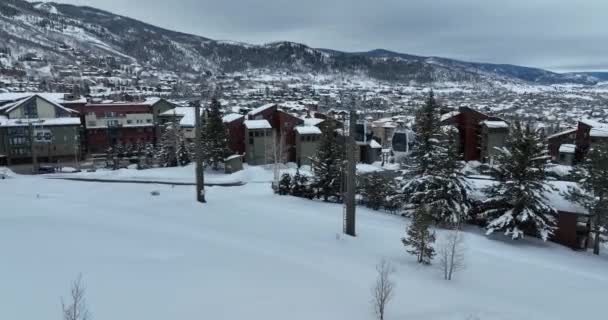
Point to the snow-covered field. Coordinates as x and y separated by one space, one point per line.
250 254
186 174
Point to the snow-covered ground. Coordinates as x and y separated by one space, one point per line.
250 254
186 174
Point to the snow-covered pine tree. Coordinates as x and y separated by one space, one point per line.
419 240
169 144
149 154
215 142
434 176
374 190
299 185
516 204
183 153
285 184
592 177
328 164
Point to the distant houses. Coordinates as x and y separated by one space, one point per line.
570 146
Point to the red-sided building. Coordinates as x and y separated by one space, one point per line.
122 123
468 122
235 132
282 122
556 140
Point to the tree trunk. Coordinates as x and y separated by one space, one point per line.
596 243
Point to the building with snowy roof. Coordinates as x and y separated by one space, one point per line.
37 124
307 143
259 145
478 133
110 123
573 221
589 133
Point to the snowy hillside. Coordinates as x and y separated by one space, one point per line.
51 34
250 254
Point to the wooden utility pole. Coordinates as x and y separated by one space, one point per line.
351 172
200 175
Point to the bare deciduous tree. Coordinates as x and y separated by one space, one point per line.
382 291
451 253
277 154
76 306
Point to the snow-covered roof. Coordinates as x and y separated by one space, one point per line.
495 124
593 123
16 104
312 121
565 132
374 144
567 148
261 108
147 102
308 130
449 115
39 122
257 124
234 156
52 96
187 114
599 132
231 117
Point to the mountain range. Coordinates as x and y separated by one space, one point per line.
49 28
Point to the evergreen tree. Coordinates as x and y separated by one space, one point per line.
328 164
419 240
285 184
592 177
183 153
375 190
299 185
434 176
149 154
215 142
517 204
167 148
172 147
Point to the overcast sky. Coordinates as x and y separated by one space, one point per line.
560 35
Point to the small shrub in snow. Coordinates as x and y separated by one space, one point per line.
382 292
155 193
285 184
75 308
451 253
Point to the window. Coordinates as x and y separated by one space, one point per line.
30 109
250 134
250 140
129 121
149 120
91 123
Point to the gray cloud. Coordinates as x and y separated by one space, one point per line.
561 35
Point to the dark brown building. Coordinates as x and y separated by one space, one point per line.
235 132
469 123
589 132
556 140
